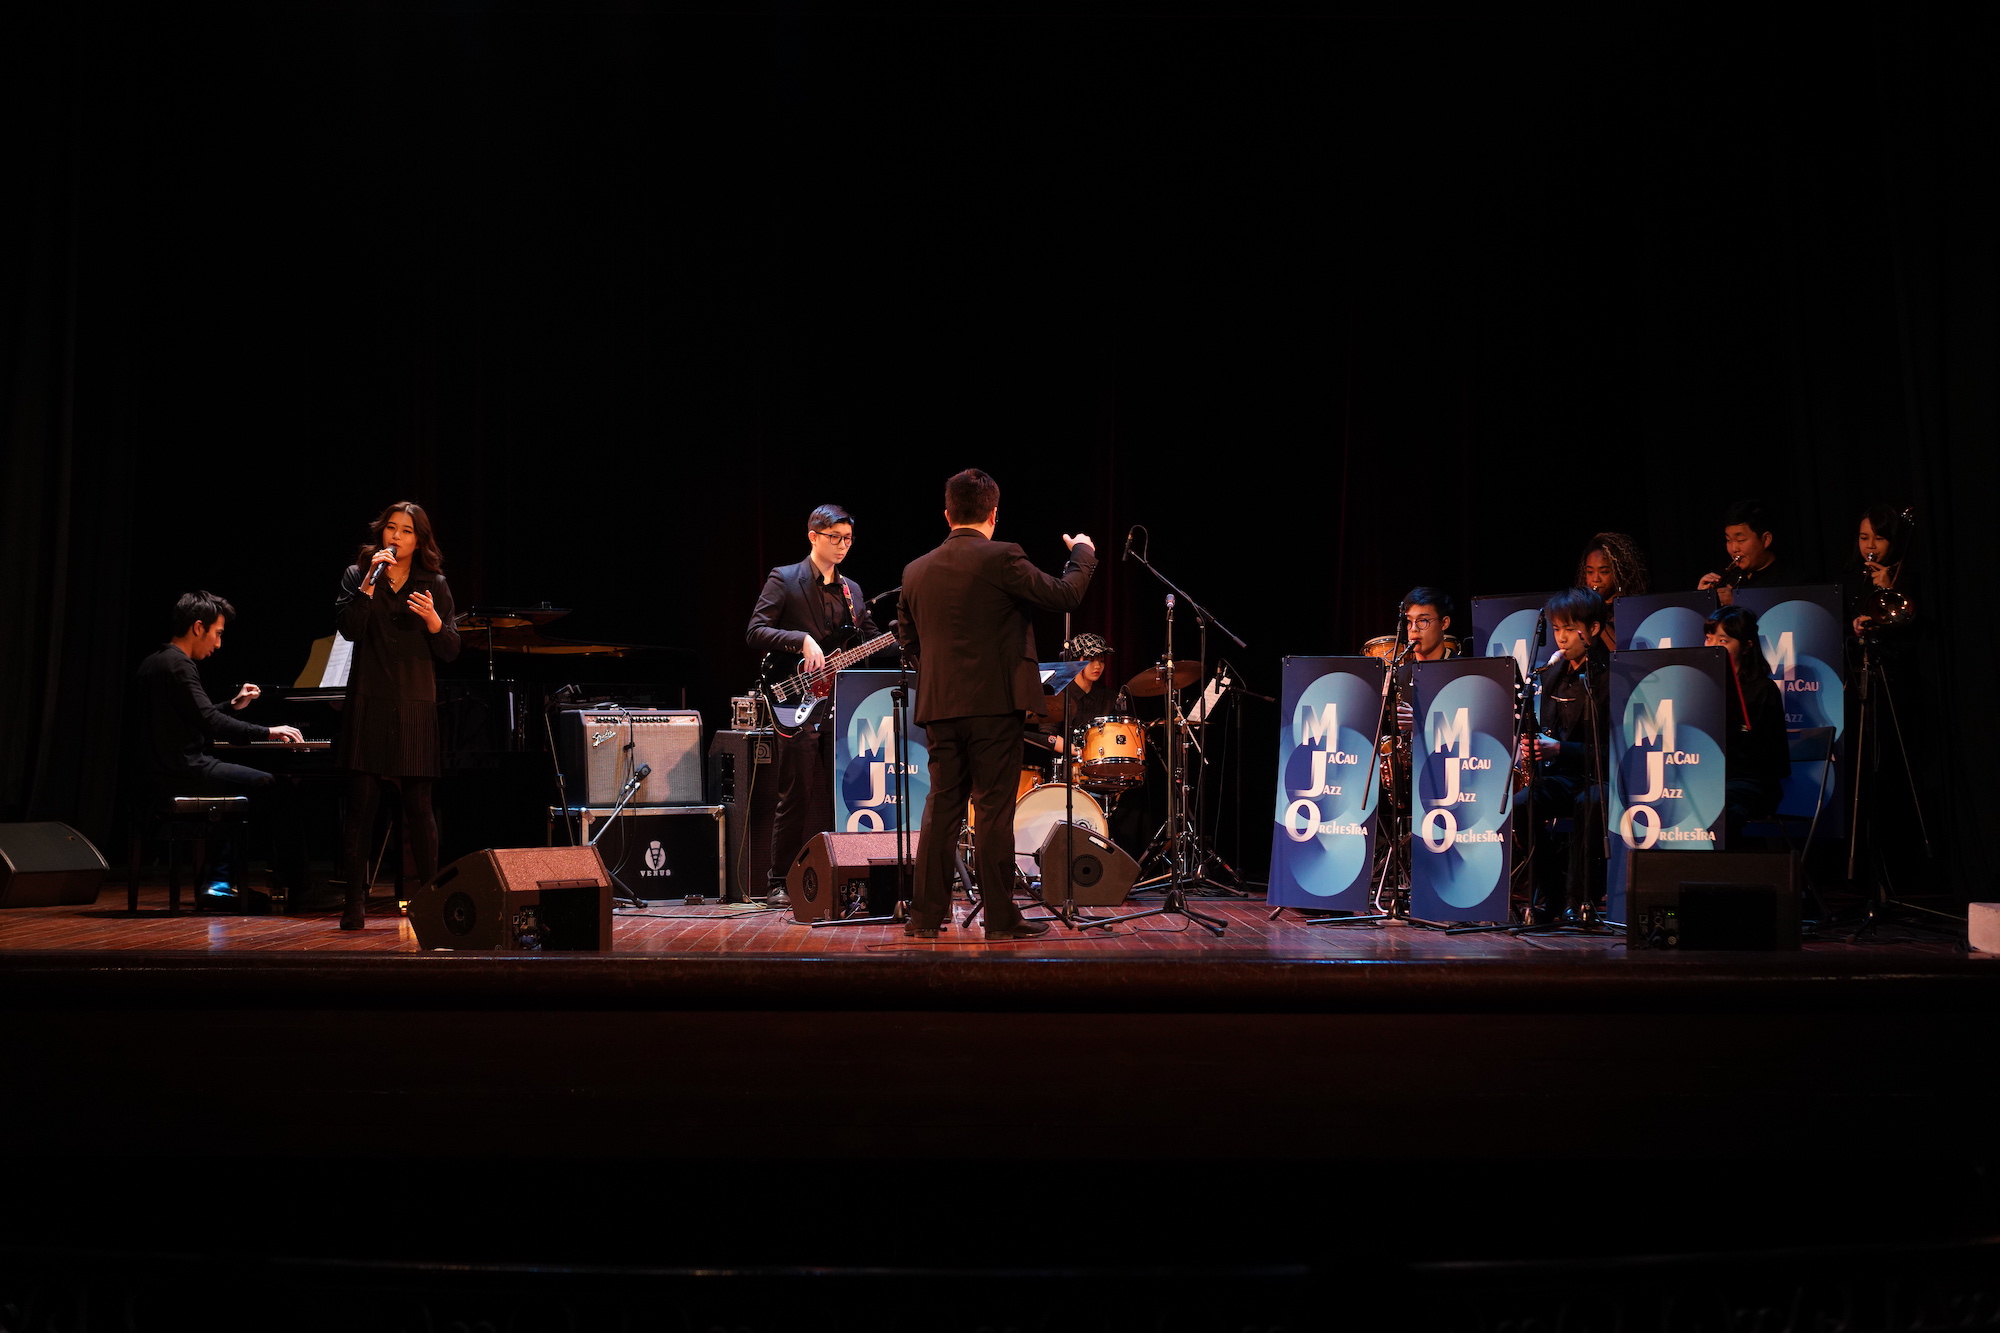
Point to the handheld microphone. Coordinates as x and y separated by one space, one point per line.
375 573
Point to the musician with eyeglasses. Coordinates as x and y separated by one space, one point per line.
1426 614
806 609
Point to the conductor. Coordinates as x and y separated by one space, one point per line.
964 623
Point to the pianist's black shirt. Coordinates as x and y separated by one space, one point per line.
174 719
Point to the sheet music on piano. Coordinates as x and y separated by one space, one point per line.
327 666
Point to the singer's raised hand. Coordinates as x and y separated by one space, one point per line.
420 602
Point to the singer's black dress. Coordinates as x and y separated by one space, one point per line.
389 723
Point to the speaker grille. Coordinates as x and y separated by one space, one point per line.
460 914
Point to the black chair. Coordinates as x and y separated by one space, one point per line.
177 820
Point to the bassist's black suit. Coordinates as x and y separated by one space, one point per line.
795 603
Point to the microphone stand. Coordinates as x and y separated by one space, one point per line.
629 897
1374 774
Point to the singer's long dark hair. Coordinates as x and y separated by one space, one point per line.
428 555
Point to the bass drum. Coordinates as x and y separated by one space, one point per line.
1041 810
1030 779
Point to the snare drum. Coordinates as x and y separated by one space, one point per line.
1041 810
1114 753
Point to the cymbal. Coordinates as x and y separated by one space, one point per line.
1153 680
510 617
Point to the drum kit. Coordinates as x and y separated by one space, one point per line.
1109 760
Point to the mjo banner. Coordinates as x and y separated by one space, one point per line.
1668 759
864 755
1463 815
1323 838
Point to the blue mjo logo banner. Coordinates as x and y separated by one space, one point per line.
1323 839
1505 627
864 756
1662 619
1463 816
1803 638
1668 758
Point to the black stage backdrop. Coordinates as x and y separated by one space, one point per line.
1332 305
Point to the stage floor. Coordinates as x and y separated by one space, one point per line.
675 929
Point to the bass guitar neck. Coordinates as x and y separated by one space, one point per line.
793 694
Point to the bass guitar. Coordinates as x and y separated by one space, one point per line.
792 694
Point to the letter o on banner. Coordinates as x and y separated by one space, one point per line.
1311 829
864 821
1444 817
1651 821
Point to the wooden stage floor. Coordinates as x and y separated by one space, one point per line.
715 930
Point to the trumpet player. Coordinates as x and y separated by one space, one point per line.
1748 536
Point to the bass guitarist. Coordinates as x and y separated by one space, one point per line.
804 609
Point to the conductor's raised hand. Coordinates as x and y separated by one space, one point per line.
1081 539
420 602
385 556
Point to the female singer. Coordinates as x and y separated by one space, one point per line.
1612 567
396 608
1882 544
1759 752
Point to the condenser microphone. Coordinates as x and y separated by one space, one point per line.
1128 543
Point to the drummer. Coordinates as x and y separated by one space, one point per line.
1088 695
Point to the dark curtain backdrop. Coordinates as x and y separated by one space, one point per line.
1332 305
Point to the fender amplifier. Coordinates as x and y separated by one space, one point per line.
601 748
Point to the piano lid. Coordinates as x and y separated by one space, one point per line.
327 664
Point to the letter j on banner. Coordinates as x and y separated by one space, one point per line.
1323 835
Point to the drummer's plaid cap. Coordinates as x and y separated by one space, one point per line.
1086 646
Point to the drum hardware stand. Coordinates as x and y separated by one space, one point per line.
1881 896
1176 902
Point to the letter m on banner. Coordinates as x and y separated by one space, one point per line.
1655 728
1320 728
877 739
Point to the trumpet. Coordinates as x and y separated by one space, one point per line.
1732 574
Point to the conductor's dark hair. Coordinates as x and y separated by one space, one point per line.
1740 624
199 608
971 497
428 554
1894 523
1581 605
1436 597
828 516
1752 514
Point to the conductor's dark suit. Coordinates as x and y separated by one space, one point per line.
964 622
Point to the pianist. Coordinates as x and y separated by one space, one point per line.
174 721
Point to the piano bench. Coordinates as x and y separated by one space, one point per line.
184 819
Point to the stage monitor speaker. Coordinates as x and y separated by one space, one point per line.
48 865
602 747
822 880
517 898
743 780
1712 900
1099 873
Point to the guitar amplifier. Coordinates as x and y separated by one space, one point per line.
600 749
743 780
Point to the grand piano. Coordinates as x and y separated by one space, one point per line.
494 724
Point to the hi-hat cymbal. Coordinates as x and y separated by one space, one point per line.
1153 680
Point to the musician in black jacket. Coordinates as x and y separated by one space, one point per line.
964 622
1572 750
174 722
1759 749
805 609
1749 539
